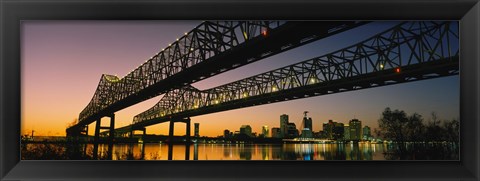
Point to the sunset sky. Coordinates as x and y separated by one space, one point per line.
62 62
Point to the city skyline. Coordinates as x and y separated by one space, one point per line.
270 127
83 41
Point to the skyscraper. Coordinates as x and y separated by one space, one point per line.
283 125
338 131
276 133
366 133
246 130
292 131
197 130
265 131
346 132
328 129
355 130
307 126
226 133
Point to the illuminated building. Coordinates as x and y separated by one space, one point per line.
367 135
276 133
328 129
197 130
283 125
292 130
306 133
307 127
355 130
338 131
265 131
346 132
246 130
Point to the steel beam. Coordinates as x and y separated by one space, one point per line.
209 49
408 52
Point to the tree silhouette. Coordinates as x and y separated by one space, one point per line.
409 133
392 125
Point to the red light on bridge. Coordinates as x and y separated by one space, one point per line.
264 32
397 70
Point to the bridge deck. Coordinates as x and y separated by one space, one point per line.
405 53
282 38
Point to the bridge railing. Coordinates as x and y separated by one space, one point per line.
406 44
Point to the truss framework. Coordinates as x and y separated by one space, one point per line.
205 41
407 47
226 44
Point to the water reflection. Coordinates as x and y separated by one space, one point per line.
152 151
348 151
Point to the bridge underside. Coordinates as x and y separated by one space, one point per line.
423 71
290 35
409 51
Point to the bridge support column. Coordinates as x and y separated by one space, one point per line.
96 139
86 140
187 151
144 136
111 135
171 137
170 131
195 151
187 139
131 134
170 151
111 132
187 135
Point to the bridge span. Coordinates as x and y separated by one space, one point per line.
209 49
410 51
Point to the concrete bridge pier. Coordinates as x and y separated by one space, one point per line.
187 151
111 137
171 136
144 134
172 129
85 141
195 151
96 139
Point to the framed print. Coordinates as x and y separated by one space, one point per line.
278 90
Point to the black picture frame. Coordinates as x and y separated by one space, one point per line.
12 12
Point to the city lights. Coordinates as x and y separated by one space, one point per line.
195 82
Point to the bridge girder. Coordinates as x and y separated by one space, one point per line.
407 52
225 44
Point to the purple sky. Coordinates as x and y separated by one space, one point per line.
62 62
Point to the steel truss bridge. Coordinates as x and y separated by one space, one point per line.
207 50
409 51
